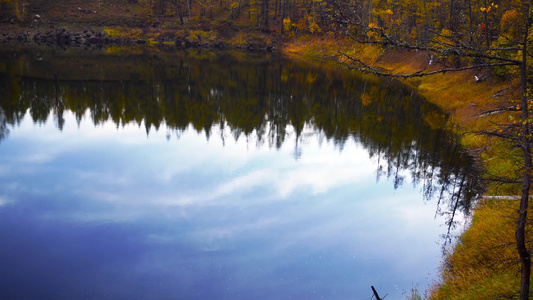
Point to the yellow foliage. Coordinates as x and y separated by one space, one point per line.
366 99
284 75
311 78
372 34
111 32
444 37
123 50
314 28
301 25
124 33
287 24
200 35
113 49
508 24
488 8
193 37
238 40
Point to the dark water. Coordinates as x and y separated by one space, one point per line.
135 175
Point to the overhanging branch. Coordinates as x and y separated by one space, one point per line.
444 49
372 70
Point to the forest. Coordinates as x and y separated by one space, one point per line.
476 23
482 49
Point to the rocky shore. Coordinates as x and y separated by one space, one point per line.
90 38
62 37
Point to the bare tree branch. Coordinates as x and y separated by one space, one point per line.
376 293
372 70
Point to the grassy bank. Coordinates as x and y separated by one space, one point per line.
484 263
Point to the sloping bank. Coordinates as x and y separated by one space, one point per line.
483 264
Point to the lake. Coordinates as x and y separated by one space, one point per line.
144 174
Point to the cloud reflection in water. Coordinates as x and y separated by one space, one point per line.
109 212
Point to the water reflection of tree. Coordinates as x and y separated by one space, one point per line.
4 130
268 103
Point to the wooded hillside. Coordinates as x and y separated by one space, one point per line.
472 21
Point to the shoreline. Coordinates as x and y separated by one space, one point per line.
458 94
61 37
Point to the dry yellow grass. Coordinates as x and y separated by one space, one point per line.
484 262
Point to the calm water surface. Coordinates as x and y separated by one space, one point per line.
217 176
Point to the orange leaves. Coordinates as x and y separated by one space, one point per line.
313 27
488 8
508 24
365 99
302 24
287 24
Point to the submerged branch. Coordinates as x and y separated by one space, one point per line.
376 293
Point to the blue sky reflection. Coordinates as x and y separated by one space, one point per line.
108 212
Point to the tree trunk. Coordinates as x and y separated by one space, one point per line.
180 13
265 13
525 255
487 38
369 11
471 22
282 6
451 24
258 13
189 10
